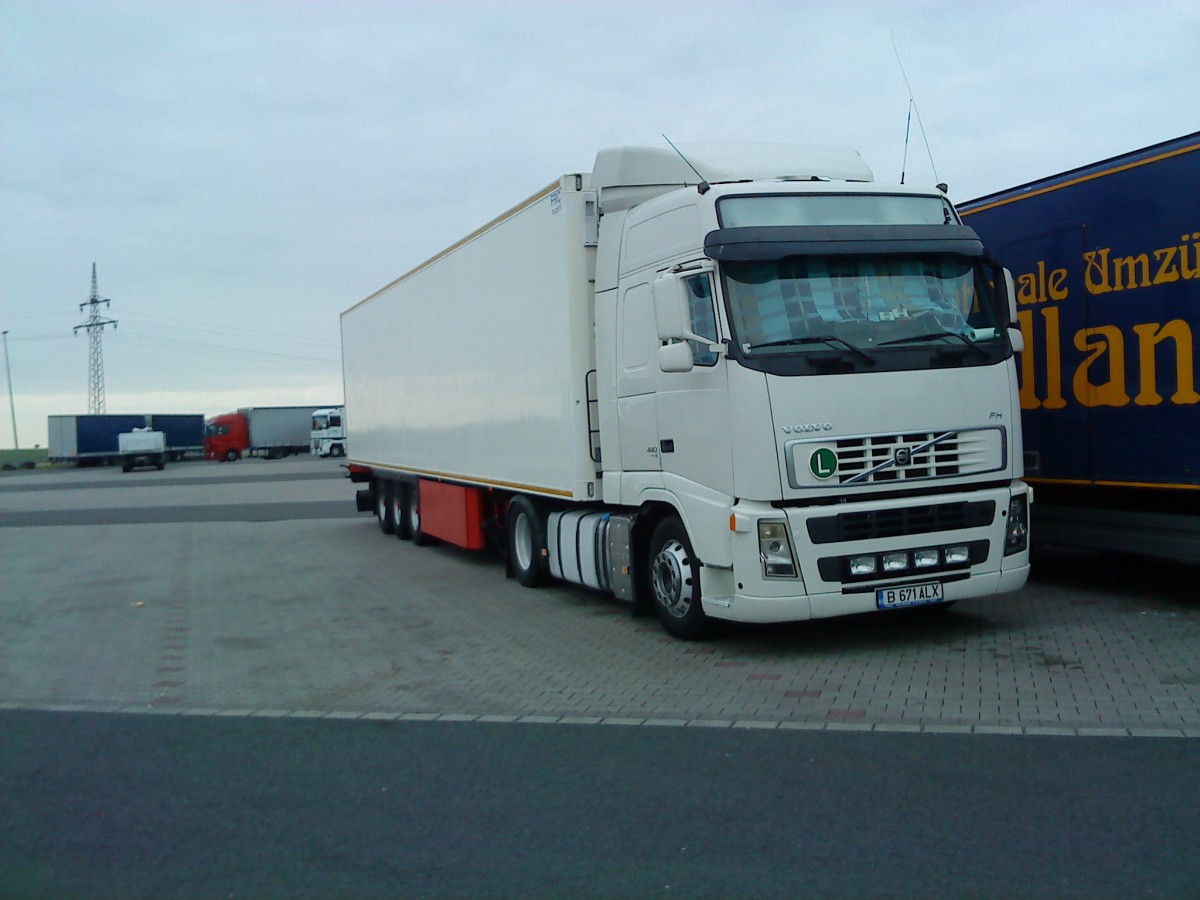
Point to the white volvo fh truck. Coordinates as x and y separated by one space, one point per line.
728 381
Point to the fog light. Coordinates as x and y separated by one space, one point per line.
956 556
775 550
895 562
923 559
863 565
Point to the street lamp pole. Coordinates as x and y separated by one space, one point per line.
8 378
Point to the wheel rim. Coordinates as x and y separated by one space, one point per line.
395 512
523 542
380 506
414 515
668 579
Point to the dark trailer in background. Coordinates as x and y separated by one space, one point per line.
184 432
93 439
1107 263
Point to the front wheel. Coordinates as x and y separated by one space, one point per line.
232 455
526 538
675 582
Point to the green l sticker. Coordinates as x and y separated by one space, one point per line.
823 463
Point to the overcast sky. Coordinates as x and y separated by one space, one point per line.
241 173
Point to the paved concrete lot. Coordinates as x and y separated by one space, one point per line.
253 588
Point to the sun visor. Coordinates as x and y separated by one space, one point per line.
778 242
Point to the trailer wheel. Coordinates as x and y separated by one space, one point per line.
383 491
675 582
397 512
526 540
412 513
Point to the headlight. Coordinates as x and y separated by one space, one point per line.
775 550
1016 535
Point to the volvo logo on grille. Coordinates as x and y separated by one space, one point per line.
904 456
811 426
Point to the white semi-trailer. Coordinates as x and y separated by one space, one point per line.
735 382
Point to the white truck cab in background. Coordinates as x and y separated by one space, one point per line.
328 432
736 381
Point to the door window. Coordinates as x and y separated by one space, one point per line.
704 320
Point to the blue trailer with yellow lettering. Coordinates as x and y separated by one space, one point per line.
1106 260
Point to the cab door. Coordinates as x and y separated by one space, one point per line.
694 437
637 378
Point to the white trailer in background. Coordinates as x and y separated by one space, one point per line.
769 391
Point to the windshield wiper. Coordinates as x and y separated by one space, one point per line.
925 338
828 339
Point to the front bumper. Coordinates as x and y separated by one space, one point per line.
826 538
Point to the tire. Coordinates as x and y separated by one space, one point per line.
397 510
382 491
337 451
126 468
674 574
232 455
412 514
525 537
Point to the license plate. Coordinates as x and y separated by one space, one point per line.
909 595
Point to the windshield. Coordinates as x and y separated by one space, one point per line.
320 423
803 303
833 209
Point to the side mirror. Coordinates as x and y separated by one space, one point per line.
676 357
1015 336
670 308
1017 339
1010 294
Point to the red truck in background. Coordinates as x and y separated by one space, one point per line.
271 432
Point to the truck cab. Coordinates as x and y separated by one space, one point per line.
226 437
328 432
817 380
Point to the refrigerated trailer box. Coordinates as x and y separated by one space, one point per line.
1107 261
770 391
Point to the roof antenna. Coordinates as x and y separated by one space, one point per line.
912 107
702 187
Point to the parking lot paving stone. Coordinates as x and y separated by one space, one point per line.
208 617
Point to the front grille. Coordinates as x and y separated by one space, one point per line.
886 523
876 459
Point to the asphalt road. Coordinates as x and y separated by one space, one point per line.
217 681
102 805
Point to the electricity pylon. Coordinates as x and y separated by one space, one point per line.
95 327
